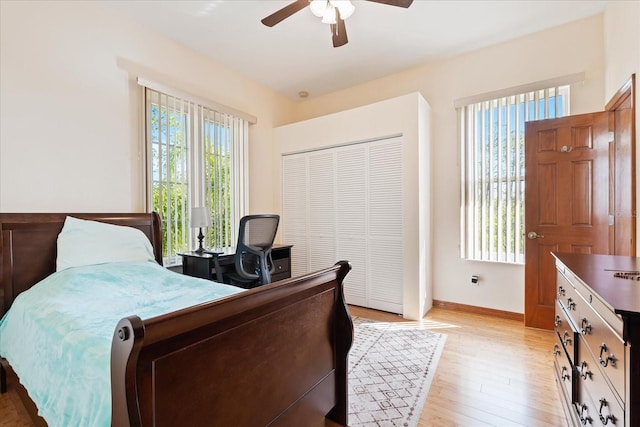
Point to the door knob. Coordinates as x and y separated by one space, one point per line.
533 235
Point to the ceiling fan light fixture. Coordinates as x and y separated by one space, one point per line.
345 7
317 7
329 16
326 9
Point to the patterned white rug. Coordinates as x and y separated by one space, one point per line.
391 366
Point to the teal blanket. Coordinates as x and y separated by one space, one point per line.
57 335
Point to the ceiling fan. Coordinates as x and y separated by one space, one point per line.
332 12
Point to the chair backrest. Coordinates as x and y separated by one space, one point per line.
253 251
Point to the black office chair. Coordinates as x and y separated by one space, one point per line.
253 263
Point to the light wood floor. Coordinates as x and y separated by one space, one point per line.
492 372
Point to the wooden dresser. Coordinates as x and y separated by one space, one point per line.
597 323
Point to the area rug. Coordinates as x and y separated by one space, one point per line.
391 366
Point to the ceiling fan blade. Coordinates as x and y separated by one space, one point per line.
285 12
339 32
399 3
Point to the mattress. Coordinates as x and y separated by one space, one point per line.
57 335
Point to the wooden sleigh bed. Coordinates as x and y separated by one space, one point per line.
288 341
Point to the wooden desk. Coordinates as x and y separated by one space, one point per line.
203 265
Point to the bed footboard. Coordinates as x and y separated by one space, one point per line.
274 355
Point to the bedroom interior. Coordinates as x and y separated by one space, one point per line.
161 367
89 108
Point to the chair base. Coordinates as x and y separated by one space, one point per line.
242 283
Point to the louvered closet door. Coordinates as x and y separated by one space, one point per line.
321 214
385 273
294 210
346 203
351 219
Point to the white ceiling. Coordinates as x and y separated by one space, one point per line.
297 54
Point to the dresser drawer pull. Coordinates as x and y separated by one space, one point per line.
567 339
609 359
584 419
565 375
605 420
561 291
556 350
570 304
585 374
585 327
558 321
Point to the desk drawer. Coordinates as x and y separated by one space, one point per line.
282 265
282 268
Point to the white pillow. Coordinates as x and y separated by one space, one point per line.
83 242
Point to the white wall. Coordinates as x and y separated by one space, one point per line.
408 115
571 48
69 136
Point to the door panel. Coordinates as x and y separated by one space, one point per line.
567 201
582 185
547 193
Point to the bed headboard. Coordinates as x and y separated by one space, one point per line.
28 245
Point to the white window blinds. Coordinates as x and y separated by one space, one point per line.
492 139
196 156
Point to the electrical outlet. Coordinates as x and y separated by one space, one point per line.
475 280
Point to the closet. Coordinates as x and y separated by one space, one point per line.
355 185
345 202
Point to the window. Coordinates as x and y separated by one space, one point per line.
492 134
195 157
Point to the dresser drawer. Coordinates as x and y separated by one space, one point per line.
595 410
569 297
564 375
591 379
565 332
606 347
594 302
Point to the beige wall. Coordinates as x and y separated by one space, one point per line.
622 56
69 106
69 113
571 48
